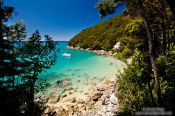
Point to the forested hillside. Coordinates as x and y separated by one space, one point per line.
105 35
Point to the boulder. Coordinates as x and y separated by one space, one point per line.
113 99
111 108
65 83
70 93
81 101
55 99
70 99
102 100
60 110
101 88
96 95
63 95
47 110
110 114
59 82
68 88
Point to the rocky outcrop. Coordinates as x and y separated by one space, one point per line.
99 101
96 95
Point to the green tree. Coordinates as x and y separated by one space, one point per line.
20 63
38 55
146 11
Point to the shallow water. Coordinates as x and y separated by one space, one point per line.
81 65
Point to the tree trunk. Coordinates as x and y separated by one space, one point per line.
31 99
168 36
164 24
150 91
152 59
164 36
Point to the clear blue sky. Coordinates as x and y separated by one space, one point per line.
61 19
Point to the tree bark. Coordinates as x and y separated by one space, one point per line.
164 24
150 91
31 100
152 59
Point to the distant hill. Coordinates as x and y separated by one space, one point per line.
103 35
106 34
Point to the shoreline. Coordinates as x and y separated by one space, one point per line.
88 96
99 99
98 52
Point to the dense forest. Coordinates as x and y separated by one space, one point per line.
20 63
147 31
105 35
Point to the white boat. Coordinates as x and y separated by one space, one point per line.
66 55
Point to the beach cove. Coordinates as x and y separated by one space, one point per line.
83 84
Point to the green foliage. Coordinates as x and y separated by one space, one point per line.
155 29
166 65
21 62
102 36
124 54
41 85
106 7
133 92
133 89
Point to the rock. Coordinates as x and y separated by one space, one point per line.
53 113
70 93
47 110
59 82
100 88
68 88
112 83
110 114
93 88
73 100
70 99
106 102
113 99
96 95
107 82
87 100
81 101
102 99
111 90
65 83
55 99
111 108
63 95
60 110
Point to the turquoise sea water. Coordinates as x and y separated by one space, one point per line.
81 64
